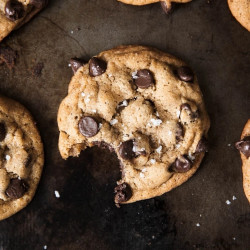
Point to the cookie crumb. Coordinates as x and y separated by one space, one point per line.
113 122
228 202
7 157
57 195
37 69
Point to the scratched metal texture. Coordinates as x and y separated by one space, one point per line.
208 38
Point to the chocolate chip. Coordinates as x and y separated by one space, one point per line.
14 10
2 131
126 150
179 133
104 145
39 3
88 126
16 188
193 115
123 193
181 165
76 63
185 74
166 7
202 145
143 79
244 146
97 66
185 106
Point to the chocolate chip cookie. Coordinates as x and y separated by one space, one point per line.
241 11
21 157
15 13
244 147
165 4
144 104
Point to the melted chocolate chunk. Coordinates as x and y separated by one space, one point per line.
97 66
185 74
88 126
202 145
179 133
143 79
2 131
126 150
8 56
102 144
16 188
166 7
14 10
123 193
181 165
76 63
244 146
39 4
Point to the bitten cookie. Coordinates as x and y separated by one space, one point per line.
144 104
13 13
21 157
165 4
244 147
241 11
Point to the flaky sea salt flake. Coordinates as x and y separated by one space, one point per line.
57 195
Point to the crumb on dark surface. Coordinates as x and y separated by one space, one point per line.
37 69
7 56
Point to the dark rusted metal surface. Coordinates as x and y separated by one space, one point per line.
206 36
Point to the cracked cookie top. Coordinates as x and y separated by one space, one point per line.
14 13
148 107
21 157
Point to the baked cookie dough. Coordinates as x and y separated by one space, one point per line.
144 104
165 4
15 13
244 147
241 11
21 157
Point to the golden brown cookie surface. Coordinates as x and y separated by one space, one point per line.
21 160
148 107
244 147
241 11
